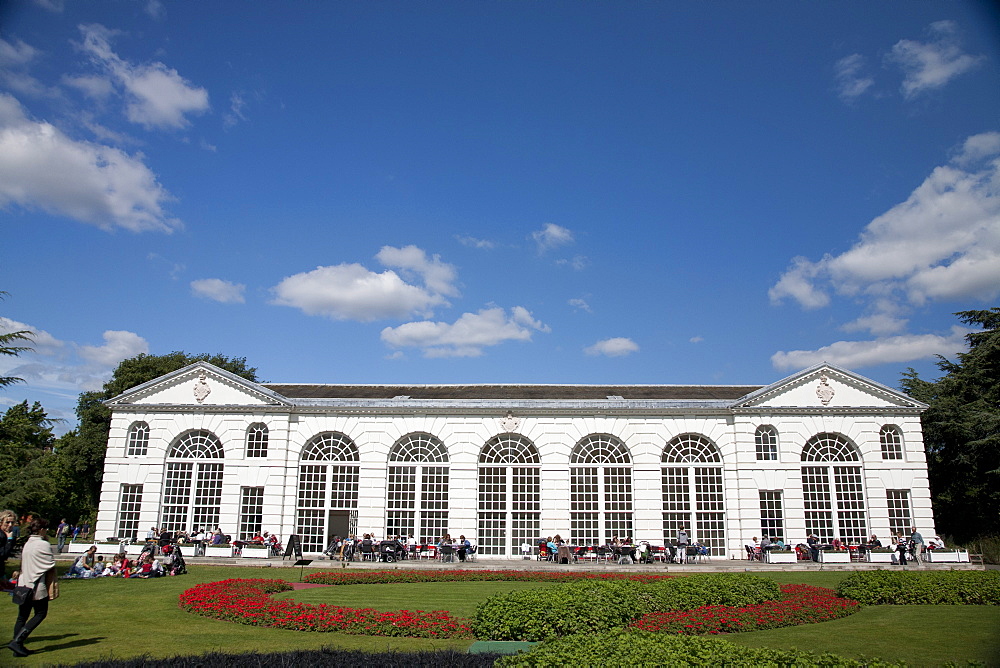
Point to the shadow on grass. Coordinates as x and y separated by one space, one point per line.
79 642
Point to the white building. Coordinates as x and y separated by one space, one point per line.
824 451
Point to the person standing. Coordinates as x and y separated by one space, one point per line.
918 544
62 532
38 570
8 520
682 544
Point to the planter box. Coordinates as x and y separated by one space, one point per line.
780 557
80 548
108 548
135 549
881 557
939 556
840 557
255 553
216 551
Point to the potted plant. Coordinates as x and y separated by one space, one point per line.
881 555
79 546
942 555
255 551
835 556
220 550
786 556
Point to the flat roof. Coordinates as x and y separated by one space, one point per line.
513 391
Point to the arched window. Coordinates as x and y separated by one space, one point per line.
766 443
692 491
192 489
257 440
138 440
327 498
600 484
417 493
833 489
891 439
510 501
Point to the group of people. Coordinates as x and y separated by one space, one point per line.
554 548
393 547
207 536
66 532
91 565
911 546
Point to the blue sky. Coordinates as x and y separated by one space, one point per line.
448 192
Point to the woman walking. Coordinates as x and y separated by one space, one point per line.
38 570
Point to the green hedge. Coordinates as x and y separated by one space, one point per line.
643 648
594 606
886 587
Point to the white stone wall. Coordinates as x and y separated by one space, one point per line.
553 435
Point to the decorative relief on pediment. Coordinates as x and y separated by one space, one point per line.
824 391
201 388
510 423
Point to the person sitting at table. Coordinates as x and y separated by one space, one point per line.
464 546
550 545
837 544
765 544
777 543
813 542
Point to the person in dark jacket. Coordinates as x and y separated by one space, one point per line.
7 522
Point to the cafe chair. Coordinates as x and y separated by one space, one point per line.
447 554
470 553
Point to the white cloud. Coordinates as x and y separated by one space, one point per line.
615 347
352 292
859 354
577 262
437 276
42 167
851 83
551 236
118 345
156 96
236 105
91 86
155 9
580 305
931 65
942 243
219 290
468 335
66 368
696 339
15 57
473 242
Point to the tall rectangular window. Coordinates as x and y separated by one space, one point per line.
900 519
129 504
251 512
772 514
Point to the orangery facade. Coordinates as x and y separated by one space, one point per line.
823 451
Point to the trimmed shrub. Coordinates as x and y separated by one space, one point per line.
643 648
594 606
886 587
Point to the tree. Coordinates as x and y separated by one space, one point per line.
81 451
962 431
28 476
6 348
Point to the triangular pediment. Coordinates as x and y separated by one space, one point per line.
827 386
199 384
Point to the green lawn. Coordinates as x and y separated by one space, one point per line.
109 617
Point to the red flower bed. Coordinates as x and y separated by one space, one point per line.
388 577
248 602
800 604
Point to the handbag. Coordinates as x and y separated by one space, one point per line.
53 590
22 595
